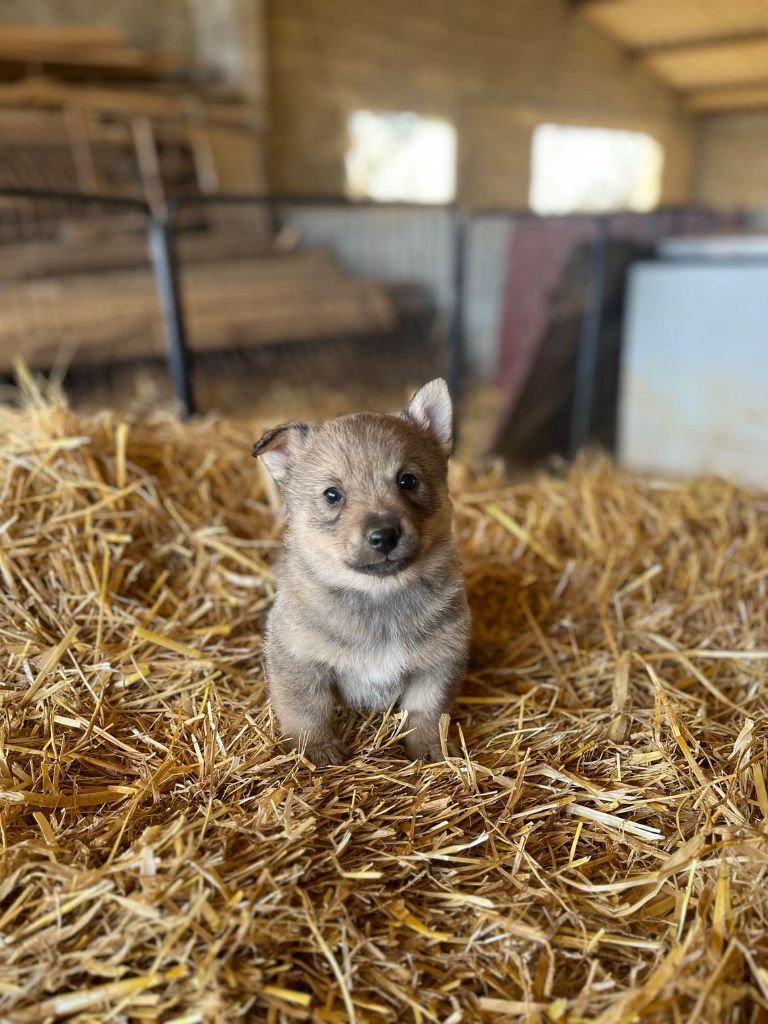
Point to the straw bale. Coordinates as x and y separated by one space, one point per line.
597 853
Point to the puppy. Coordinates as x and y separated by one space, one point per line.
370 605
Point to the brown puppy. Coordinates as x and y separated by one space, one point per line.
370 606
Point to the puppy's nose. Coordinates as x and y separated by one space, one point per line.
384 539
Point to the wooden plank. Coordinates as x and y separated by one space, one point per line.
170 101
738 97
114 316
709 42
88 249
107 59
54 38
77 132
238 161
149 165
86 46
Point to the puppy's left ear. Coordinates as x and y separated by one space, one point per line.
431 409
279 449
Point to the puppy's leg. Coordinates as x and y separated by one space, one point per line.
426 697
302 695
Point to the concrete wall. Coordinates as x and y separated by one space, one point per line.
495 68
731 167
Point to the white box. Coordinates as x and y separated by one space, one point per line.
694 388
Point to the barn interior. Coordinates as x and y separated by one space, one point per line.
219 215
367 195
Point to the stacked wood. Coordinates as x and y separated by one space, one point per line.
217 106
84 49
99 115
81 251
114 316
187 146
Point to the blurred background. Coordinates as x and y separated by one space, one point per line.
271 208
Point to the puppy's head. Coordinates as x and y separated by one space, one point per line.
367 494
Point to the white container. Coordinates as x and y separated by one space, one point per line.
694 390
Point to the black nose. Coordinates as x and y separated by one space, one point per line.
384 539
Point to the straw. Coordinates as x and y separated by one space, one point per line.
598 852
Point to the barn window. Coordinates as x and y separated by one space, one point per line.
400 156
593 170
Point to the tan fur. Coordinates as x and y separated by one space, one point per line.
339 631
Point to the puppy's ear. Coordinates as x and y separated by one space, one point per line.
431 409
278 449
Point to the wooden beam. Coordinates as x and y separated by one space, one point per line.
724 97
76 125
134 101
84 47
114 59
149 164
57 38
672 46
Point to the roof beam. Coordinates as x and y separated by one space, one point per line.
671 46
725 97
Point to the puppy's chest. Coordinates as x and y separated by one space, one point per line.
373 660
374 681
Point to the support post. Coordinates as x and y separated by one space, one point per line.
456 327
586 363
165 265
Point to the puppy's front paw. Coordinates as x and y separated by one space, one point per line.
324 752
427 749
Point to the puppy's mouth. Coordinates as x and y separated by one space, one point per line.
384 567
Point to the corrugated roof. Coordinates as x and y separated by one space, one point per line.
714 51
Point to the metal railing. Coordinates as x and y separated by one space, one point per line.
163 231
434 245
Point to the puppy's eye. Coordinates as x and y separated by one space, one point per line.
332 495
406 481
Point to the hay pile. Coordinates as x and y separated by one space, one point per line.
599 854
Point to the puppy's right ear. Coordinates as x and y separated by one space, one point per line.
278 449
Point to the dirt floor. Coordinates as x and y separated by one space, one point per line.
598 852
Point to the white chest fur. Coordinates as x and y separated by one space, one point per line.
374 679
